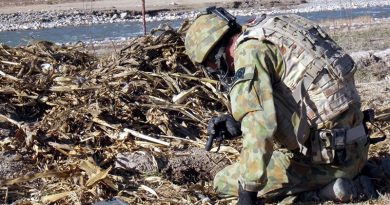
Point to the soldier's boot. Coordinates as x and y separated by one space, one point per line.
385 164
377 170
365 188
373 170
246 197
343 190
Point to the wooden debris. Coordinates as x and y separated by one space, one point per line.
64 110
142 136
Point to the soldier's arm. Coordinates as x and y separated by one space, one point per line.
252 104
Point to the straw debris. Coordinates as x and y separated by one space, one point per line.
73 126
77 129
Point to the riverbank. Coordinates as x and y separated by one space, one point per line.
40 16
353 35
14 6
27 14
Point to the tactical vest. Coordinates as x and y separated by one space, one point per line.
318 73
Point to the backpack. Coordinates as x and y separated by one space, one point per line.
318 73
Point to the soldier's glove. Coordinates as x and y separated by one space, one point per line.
246 197
225 124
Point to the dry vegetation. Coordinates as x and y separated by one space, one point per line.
71 123
362 33
74 127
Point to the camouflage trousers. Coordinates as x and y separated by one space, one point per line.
289 175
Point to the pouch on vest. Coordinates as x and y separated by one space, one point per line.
328 146
245 93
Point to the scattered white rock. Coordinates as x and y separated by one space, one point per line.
73 17
123 15
46 68
383 54
115 16
361 55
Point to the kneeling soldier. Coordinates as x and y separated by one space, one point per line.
293 97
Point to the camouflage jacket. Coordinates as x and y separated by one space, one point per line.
261 99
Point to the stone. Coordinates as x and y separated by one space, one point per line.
123 15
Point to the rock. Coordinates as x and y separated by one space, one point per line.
46 68
10 165
115 16
114 201
123 15
383 54
361 55
4 132
138 161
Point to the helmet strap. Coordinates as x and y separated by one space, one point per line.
224 74
221 70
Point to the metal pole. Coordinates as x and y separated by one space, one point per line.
143 16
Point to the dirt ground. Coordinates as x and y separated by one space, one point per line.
194 165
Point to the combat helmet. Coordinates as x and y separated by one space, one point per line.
206 31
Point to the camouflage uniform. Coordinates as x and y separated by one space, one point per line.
267 119
273 59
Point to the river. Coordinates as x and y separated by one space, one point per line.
121 31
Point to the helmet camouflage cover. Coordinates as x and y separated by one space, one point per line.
203 35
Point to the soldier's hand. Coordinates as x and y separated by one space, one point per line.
226 124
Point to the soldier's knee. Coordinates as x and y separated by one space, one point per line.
217 180
223 184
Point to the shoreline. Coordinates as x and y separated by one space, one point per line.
337 29
77 17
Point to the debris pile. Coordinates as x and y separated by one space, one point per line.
75 129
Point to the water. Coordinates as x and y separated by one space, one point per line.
118 31
375 12
97 32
